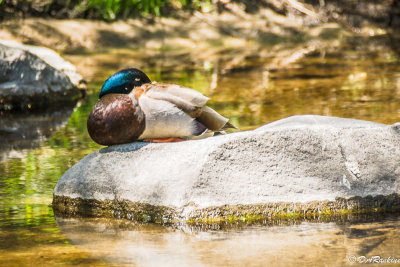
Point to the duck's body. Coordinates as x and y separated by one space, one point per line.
152 111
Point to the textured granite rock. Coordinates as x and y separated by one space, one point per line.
299 159
29 82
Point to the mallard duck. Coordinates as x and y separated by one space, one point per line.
131 108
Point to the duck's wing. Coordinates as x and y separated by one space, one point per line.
164 119
212 119
190 101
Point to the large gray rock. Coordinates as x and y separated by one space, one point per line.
297 160
29 82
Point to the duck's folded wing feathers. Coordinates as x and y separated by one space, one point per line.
164 119
185 98
213 120
190 101
183 104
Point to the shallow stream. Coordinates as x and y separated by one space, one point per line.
253 86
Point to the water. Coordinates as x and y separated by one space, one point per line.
357 79
302 244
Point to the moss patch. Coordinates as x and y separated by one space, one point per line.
121 209
229 214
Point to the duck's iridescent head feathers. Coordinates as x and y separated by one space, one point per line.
123 82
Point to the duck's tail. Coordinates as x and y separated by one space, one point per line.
213 120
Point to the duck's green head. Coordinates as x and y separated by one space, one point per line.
123 82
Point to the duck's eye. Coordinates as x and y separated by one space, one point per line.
137 79
126 88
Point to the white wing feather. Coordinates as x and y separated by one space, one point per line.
164 119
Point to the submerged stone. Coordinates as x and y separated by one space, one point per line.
35 78
299 166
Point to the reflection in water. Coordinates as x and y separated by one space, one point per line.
123 243
30 237
27 131
30 175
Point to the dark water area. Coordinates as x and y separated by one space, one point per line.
359 78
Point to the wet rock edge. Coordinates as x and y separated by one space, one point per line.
228 214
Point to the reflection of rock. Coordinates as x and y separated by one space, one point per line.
27 131
28 82
299 159
121 243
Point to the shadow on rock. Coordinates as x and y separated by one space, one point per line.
124 148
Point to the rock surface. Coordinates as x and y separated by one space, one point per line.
29 82
299 159
52 58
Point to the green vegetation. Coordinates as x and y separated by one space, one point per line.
101 9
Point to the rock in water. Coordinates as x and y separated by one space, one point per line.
299 164
28 82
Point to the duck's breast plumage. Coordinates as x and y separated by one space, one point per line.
116 119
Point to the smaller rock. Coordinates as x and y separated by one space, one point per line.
29 82
53 59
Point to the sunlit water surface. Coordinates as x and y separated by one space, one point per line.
358 80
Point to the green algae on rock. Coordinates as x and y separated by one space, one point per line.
141 212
